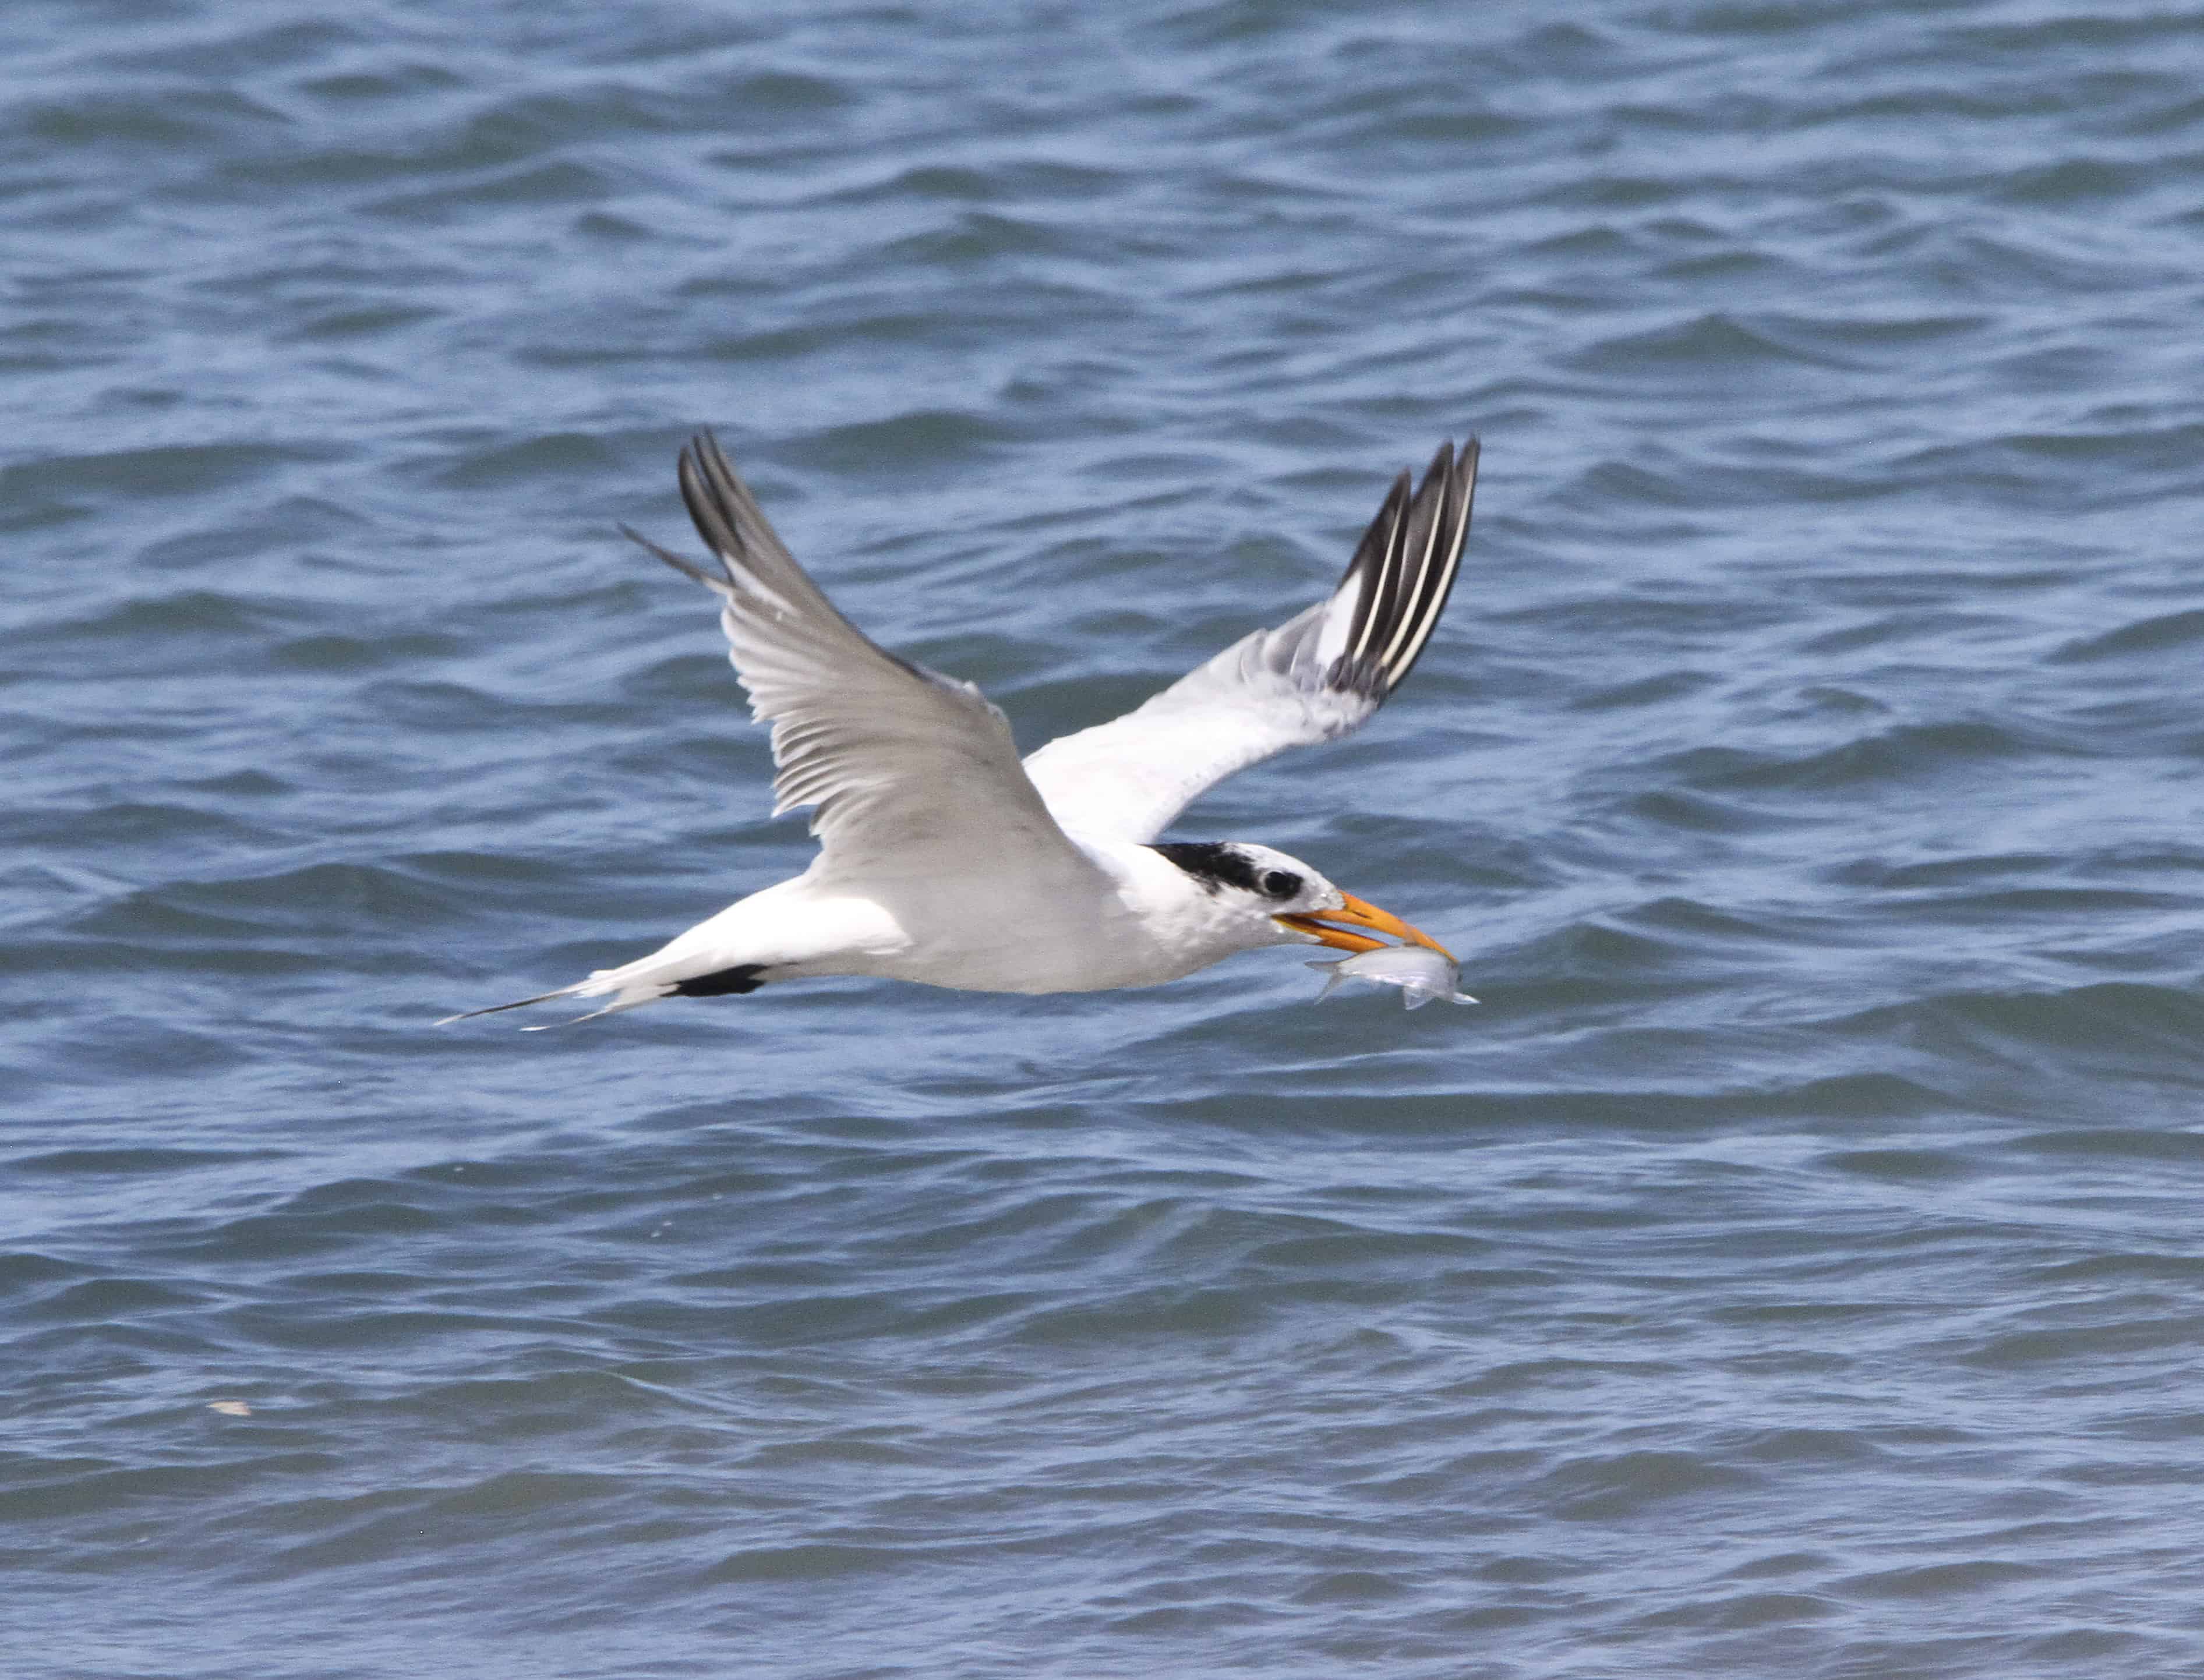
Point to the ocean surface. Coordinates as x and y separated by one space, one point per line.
1794 1268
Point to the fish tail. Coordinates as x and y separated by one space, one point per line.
1333 979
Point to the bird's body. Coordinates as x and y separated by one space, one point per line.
945 861
1135 919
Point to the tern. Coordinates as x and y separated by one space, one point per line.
945 860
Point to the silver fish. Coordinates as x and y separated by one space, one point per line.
1420 972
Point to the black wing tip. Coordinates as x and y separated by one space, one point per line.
1465 474
1450 487
712 493
704 461
721 506
1452 463
703 473
686 568
1413 549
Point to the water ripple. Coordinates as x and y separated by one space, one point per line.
1789 1262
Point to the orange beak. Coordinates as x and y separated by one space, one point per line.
1359 913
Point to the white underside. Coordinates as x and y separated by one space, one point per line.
1134 920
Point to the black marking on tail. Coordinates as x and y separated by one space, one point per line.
727 983
499 1008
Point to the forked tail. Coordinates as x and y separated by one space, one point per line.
633 987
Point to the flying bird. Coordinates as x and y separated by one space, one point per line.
943 859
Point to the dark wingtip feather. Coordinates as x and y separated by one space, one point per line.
703 474
1456 484
687 569
1370 553
1407 560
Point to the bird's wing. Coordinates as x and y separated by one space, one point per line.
911 773
1314 678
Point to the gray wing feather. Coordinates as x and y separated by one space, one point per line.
910 772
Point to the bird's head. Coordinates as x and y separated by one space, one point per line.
1285 901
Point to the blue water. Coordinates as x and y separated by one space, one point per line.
1793 1267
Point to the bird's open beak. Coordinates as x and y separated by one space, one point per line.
1358 912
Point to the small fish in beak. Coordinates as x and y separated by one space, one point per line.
1422 971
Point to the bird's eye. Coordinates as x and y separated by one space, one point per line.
1280 884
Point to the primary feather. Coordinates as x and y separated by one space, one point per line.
867 739
1315 678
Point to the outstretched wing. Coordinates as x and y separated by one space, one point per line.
911 773
1315 678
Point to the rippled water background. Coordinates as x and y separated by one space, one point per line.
1793 1267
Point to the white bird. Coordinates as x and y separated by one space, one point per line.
944 860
